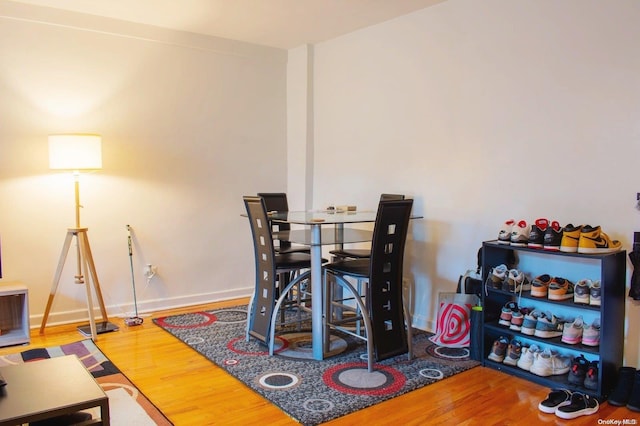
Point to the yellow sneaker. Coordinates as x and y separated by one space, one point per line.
594 241
570 238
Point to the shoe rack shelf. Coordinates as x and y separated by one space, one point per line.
14 314
609 268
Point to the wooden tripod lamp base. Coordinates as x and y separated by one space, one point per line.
84 258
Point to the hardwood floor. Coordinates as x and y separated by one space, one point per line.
190 390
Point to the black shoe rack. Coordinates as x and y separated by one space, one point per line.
609 268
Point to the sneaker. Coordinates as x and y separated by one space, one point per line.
499 349
540 286
520 234
536 234
514 351
517 319
591 333
570 238
552 237
594 241
529 322
578 371
505 283
561 365
591 378
550 363
580 405
548 326
556 398
572 332
498 275
581 292
560 289
527 356
507 312
595 293
517 281
504 235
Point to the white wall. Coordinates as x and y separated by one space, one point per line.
485 111
189 125
300 128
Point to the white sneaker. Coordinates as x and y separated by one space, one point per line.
504 236
549 363
527 357
520 234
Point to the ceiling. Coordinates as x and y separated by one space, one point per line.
283 24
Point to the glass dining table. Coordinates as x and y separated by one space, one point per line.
322 228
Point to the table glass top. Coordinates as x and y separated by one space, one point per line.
322 216
328 236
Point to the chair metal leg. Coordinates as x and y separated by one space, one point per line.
408 321
365 318
274 317
249 317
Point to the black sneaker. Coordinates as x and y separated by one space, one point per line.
556 398
578 371
581 405
591 378
536 235
553 237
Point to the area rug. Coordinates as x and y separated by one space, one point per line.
127 405
310 391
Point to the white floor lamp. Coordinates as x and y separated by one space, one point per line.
78 152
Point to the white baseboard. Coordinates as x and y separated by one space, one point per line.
422 323
144 307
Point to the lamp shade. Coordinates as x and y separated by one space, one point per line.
75 152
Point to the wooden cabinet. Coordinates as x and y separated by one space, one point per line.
14 314
610 269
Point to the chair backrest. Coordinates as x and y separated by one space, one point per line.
264 253
391 197
276 202
385 277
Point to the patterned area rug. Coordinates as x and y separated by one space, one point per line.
312 392
127 405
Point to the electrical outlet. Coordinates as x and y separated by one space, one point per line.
149 270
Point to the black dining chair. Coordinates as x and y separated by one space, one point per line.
356 253
379 306
273 271
277 202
